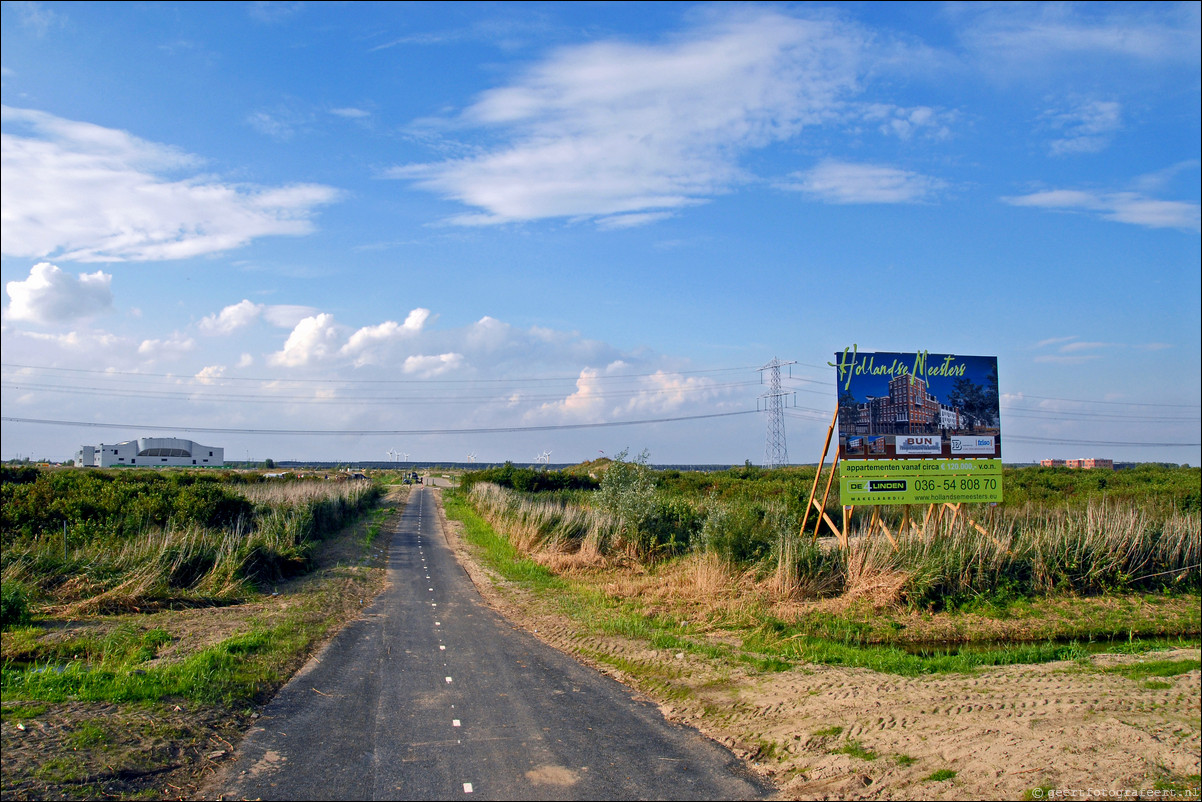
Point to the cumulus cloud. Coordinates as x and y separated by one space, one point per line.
586 403
1121 207
246 312
664 392
170 348
50 295
416 320
313 339
614 128
844 182
286 316
363 344
82 192
597 396
231 318
424 366
209 373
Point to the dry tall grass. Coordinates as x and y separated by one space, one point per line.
182 564
547 529
1031 552
1100 548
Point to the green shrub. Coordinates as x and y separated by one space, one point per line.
668 527
737 532
14 606
210 505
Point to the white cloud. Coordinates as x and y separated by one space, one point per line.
844 182
282 122
51 296
36 17
82 343
416 320
1025 36
612 128
313 339
1087 127
488 344
286 316
597 397
351 113
429 366
585 404
81 192
1120 207
362 345
1084 346
231 318
1073 351
908 122
1054 340
664 392
632 220
246 312
171 348
1162 180
368 335
207 374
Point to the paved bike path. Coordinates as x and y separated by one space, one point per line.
432 695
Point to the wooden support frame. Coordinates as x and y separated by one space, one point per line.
840 532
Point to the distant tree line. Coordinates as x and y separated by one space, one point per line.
529 480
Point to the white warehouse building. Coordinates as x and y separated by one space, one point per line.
150 452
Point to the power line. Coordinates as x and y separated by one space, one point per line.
1117 403
375 432
202 393
1055 440
277 379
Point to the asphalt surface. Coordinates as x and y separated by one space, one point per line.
432 695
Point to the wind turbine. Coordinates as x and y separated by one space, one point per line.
404 457
544 458
471 457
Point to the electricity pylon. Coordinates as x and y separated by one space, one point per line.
776 453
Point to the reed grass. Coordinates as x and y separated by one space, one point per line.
946 564
94 570
1089 551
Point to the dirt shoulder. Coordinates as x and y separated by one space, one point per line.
825 732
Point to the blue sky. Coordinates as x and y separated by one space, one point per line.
505 229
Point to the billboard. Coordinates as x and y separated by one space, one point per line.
918 428
917 405
905 481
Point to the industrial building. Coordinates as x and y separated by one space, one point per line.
152 452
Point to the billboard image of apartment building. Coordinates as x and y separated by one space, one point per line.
918 405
